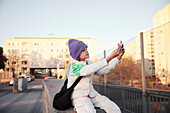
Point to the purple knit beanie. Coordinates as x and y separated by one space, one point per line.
76 47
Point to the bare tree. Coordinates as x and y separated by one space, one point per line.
14 61
14 65
126 73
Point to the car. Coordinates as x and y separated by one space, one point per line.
11 82
48 77
32 77
28 78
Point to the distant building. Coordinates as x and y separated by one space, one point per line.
156 46
28 54
161 24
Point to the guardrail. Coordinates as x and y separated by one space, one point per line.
129 99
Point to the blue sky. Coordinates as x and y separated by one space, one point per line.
109 21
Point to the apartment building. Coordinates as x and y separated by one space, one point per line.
161 24
28 54
149 57
156 46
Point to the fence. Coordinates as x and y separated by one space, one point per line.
5 76
129 99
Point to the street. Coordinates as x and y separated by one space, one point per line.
29 101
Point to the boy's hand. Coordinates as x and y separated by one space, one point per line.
115 53
122 50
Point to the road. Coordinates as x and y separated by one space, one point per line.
29 101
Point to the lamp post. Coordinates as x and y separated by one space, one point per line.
143 74
50 33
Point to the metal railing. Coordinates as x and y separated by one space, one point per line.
129 99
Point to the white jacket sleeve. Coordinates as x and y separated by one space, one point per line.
89 69
111 65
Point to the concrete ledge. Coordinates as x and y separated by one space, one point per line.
51 87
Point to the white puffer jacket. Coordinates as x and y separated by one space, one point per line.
79 68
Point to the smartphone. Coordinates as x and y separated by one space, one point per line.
121 47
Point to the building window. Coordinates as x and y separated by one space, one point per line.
24 62
34 56
42 62
15 44
43 44
35 63
9 44
24 68
15 50
25 44
52 44
25 50
8 56
60 56
41 56
35 50
15 56
35 43
51 62
24 56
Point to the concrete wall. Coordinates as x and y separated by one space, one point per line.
51 87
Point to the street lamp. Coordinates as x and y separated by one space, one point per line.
50 33
53 34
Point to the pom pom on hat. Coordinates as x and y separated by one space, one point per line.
76 47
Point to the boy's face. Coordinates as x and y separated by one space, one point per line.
84 54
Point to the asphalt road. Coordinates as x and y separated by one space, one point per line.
29 101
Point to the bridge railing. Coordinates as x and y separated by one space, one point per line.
129 99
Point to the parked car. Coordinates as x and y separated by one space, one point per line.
11 82
32 77
26 76
48 77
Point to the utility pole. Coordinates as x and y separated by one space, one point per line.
105 78
143 74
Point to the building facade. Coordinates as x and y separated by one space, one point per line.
156 46
161 24
25 54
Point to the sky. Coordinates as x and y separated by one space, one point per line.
109 21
